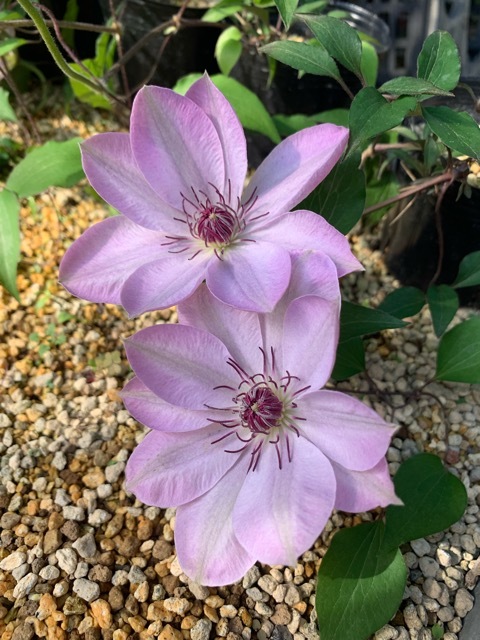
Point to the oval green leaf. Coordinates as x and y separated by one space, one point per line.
350 359
371 115
469 271
54 164
340 197
359 587
356 320
408 86
340 40
458 358
228 49
286 8
457 130
404 302
443 303
439 61
304 57
434 499
9 240
221 10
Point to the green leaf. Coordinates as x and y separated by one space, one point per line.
184 83
408 86
228 49
369 63
457 130
404 302
439 61
458 358
54 164
356 320
221 10
340 197
9 240
340 40
304 57
359 588
312 7
443 303
87 94
350 359
10 44
433 500
286 8
6 111
371 114
248 107
469 271
287 125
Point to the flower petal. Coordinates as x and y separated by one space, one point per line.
168 469
309 353
359 491
97 264
182 365
238 330
313 273
155 413
175 145
280 512
229 130
252 276
347 431
295 167
207 548
304 230
163 283
113 173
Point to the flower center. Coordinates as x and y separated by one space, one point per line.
261 410
215 224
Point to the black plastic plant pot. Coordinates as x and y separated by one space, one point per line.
412 244
156 62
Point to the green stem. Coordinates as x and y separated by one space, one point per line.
46 36
63 24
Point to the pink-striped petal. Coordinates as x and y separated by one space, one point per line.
280 512
175 145
98 263
304 230
310 337
155 413
252 276
163 283
175 468
313 273
207 547
359 491
347 431
229 130
113 173
295 167
238 330
182 365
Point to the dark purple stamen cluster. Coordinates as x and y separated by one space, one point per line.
266 409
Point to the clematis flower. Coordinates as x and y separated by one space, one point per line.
244 441
178 181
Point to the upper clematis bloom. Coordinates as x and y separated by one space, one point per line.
245 443
178 181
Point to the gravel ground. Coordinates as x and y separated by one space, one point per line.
81 558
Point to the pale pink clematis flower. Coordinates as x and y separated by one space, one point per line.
178 181
245 443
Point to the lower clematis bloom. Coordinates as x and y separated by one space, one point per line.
244 441
178 182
